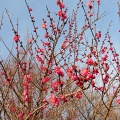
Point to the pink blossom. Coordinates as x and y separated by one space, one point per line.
89 76
20 115
106 78
64 46
104 58
55 85
54 100
98 34
89 61
30 9
84 72
92 83
30 41
30 114
63 98
89 5
95 71
78 94
44 25
39 59
13 109
100 88
43 68
26 85
62 15
61 5
58 71
74 77
46 43
118 100
46 79
69 70
98 2
44 100
26 98
2 73
40 50
16 38
25 93
27 78
111 48
103 50
36 27
46 35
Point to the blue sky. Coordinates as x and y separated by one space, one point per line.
19 10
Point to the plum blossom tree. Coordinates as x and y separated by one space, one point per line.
68 76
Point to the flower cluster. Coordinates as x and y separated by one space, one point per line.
61 13
39 59
58 70
46 79
27 79
54 100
